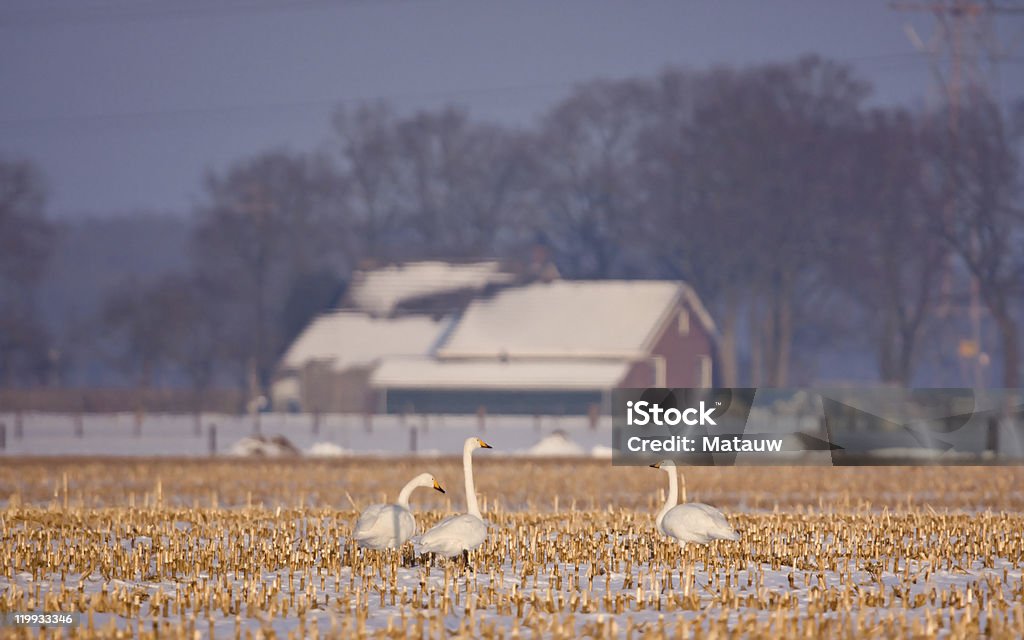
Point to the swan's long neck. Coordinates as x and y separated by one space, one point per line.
467 469
673 495
406 492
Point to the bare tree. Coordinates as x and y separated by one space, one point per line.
800 115
25 234
194 334
434 183
368 153
977 170
585 194
882 252
741 184
135 324
265 221
26 241
695 215
168 326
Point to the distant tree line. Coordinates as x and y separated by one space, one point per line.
804 218
25 243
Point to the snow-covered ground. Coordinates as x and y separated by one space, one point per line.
951 570
634 598
44 434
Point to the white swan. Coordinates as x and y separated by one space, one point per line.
463 532
690 521
388 526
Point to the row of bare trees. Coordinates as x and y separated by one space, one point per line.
804 218
25 243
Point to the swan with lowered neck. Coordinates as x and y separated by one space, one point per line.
690 521
388 526
463 532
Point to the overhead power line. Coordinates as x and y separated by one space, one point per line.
117 117
80 13
268 107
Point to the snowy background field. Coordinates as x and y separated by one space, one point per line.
331 435
43 434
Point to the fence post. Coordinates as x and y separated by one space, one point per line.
137 424
412 439
3 436
992 437
316 423
77 426
481 418
18 426
212 439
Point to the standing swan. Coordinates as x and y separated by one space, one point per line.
690 521
388 526
464 532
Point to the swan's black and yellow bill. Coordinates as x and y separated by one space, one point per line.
438 486
656 465
484 445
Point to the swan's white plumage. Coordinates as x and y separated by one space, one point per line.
384 526
453 535
698 523
388 526
692 521
463 532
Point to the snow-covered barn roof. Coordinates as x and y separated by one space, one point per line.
347 339
423 373
380 291
576 319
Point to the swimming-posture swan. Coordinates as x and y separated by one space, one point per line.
463 532
690 521
388 526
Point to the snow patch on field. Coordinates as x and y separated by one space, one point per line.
264 447
327 450
557 444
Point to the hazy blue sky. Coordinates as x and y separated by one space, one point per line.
125 104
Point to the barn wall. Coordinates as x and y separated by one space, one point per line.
682 355
328 391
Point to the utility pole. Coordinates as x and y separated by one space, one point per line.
965 48
965 54
258 208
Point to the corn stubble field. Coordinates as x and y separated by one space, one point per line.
260 549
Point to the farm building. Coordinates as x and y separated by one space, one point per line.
442 338
556 347
392 310
327 368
